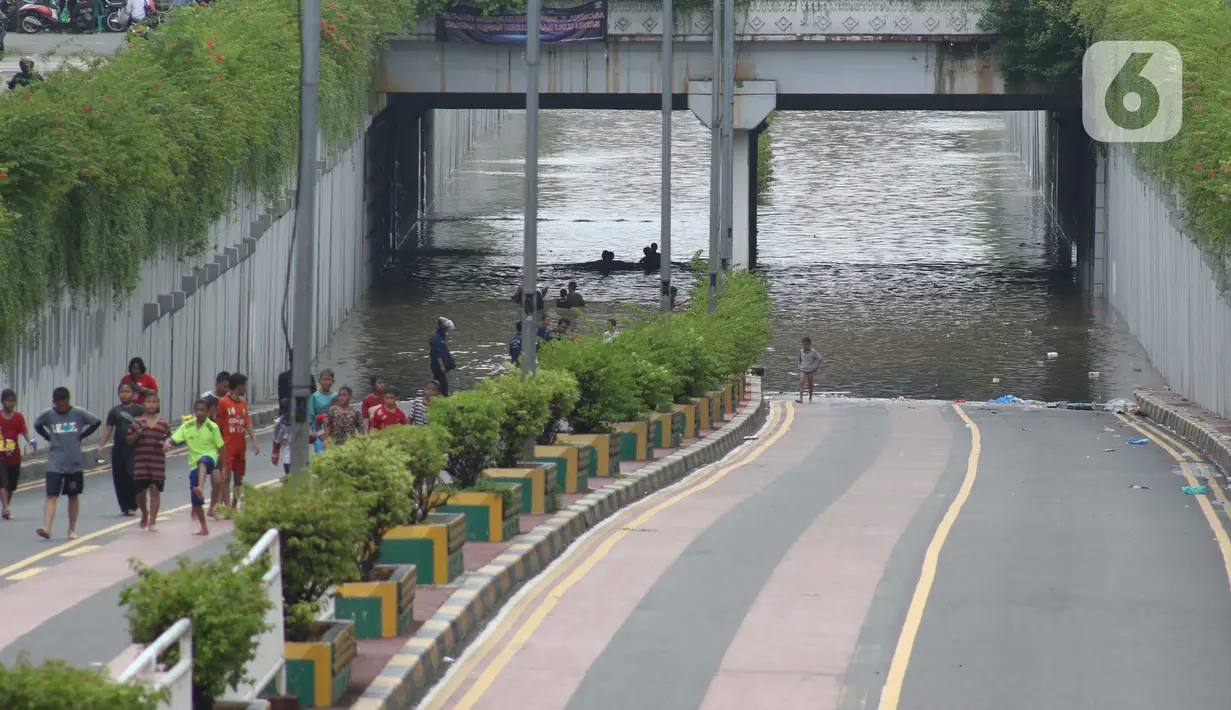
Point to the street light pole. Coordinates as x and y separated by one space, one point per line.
665 216
728 135
530 260
305 233
715 156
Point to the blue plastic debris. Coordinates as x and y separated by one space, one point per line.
1006 399
1138 441
1193 490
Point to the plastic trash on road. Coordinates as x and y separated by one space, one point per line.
1119 406
1006 399
1140 488
1138 441
1193 490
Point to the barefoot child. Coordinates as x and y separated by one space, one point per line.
12 427
146 436
809 363
342 422
388 414
204 442
232 418
64 426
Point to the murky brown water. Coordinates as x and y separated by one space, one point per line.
904 243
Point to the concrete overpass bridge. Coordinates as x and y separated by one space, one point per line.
790 55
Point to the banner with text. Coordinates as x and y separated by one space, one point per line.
584 23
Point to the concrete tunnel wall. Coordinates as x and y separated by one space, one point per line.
1147 263
191 317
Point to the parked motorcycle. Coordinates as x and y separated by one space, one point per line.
44 16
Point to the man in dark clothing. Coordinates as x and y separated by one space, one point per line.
544 332
26 74
442 359
515 345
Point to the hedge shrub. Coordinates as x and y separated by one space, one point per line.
563 393
55 685
101 169
1046 39
527 408
226 604
473 420
424 448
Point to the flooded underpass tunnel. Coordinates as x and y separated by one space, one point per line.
908 245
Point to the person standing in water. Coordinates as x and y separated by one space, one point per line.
147 435
809 363
442 359
63 427
119 419
12 427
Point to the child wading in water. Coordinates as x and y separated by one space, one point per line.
809 363
147 435
204 441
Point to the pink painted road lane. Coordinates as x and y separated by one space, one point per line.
700 606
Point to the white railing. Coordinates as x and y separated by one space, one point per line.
178 678
269 665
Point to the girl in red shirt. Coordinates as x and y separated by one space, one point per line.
142 380
12 426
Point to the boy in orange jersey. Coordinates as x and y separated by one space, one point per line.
236 425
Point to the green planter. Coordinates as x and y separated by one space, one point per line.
434 547
487 520
381 607
318 670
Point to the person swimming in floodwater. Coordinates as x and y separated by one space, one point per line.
653 259
609 264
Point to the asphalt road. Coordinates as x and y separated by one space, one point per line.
51 50
801 578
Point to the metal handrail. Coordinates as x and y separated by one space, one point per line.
145 668
269 544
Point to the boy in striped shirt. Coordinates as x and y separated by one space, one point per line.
146 436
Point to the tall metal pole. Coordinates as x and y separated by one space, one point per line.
665 217
715 156
305 233
530 255
728 134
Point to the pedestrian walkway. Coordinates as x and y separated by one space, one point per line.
884 554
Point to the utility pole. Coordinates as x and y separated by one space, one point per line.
728 135
530 255
665 216
715 156
305 234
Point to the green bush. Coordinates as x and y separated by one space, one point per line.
473 420
1039 40
226 604
424 448
55 685
379 474
507 498
527 409
321 530
562 395
682 346
101 169
606 381
740 325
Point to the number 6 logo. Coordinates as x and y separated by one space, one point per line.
1132 92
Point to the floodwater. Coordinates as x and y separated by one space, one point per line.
906 244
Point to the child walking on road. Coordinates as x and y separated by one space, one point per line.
204 442
146 436
64 426
232 417
809 363
119 419
12 427
282 437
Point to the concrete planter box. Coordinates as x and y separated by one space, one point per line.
728 398
716 410
635 444
535 493
568 460
434 547
586 460
486 517
668 428
606 450
318 670
703 413
381 607
688 422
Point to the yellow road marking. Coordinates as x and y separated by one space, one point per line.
479 652
81 550
32 485
27 574
1207 509
523 634
891 694
1157 431
61 549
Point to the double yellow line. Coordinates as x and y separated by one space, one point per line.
577 563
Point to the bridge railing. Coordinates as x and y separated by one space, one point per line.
269 665
178 678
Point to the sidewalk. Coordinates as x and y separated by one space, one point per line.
51 51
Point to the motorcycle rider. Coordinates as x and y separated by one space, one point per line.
26 75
